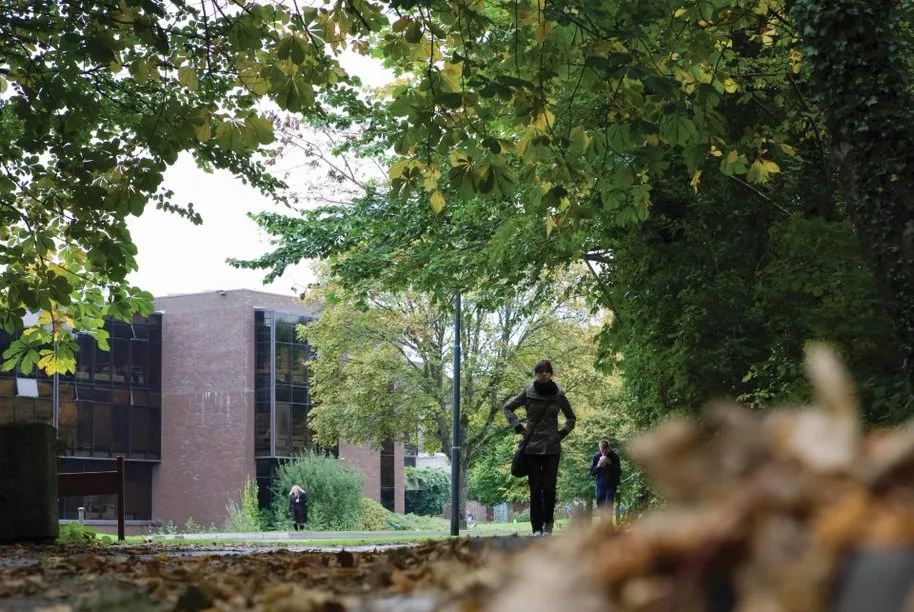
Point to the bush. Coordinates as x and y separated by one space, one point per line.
76 533
334 491
372 515
244 517
427 491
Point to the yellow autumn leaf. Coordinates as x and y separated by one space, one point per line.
396 170
438 201
679 13
696 179
543 30
731 156
715 152
544 121
730 86
770 166
431 177
786 148
652 139
550 225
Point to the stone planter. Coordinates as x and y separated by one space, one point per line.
28 482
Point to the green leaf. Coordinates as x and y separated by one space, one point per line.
187 77
679 130
258 131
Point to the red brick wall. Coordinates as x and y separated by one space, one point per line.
207 401
208 407
369 463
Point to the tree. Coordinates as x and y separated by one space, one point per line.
860 62
428 490
382 368
99 99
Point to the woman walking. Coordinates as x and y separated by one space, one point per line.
298 507
542 400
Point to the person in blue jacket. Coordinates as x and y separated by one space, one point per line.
607 469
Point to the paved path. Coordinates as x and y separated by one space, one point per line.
274 536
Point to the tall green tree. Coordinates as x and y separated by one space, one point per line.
382 368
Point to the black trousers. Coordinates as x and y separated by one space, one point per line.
542 474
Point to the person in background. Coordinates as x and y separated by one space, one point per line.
298 507
607 470
542 400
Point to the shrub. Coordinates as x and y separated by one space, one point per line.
76 533
244 516
372 515
334 491
427 490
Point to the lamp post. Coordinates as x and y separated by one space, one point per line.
455 428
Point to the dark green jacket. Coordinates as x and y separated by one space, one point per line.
542 410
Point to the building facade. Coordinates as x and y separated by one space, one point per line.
210 390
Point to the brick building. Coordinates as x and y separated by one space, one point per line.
206 392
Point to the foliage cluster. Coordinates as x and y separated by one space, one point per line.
242 516
372 515
428 490
334 491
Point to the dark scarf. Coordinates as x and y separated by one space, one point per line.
545 388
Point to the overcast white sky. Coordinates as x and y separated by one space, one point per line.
176 256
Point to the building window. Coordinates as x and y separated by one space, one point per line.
110 406
282 397
137 491
388 476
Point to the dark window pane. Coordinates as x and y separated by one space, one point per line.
283 393
387 498
25 410
120 430
103 366
101 420
7 409
85 393
141 331
139 362
139 431
44 411
299 369
300 439
155 366
66 425
102 394
262 428
284 331
155 399
83 428
85 363
120 396
155 432
119 329
120 359
300 395
45 389
262 394
262 357
101 507
283 430
139 397
283 363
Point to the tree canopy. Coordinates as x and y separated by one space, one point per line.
97 100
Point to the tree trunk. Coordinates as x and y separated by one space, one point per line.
28 482
853 48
